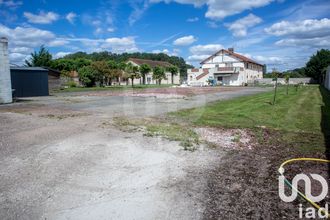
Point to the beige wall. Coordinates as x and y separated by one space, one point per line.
151 81
168 80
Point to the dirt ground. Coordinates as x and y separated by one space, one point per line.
62 158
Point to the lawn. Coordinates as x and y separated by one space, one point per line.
299 117
116 87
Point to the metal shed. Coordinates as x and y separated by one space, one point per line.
29 81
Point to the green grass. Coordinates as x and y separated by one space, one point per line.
297 116
116 88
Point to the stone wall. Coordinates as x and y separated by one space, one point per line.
5 79
292 81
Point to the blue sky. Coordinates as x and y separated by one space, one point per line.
280 33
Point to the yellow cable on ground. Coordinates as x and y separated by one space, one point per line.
281 171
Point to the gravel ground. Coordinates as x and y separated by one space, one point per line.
60 158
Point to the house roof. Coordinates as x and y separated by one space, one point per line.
238 56
151 63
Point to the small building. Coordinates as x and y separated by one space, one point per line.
54 79
153 64
226 67
29 81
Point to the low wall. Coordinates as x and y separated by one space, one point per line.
327 79
292 81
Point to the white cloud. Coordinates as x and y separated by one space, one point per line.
197 58
317 42
268 60
194 19
60 54
11 3
26 37
17 58
309 33
102 21
120 45
57 43
185 41
175 52
71 17
138 11
201 52
207 49
111 29
219 9
24 40
240 26
42 17
212 24
301 29
20 50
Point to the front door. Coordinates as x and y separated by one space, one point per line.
219 80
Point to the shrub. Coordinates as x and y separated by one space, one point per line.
72 84
87 76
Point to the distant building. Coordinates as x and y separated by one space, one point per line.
226 67
153 64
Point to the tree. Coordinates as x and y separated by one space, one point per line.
174 71
115 70
41 58
63 65
102 71
159 74
317 64
174 60
132 72
144 70
81 62
87 76
122 67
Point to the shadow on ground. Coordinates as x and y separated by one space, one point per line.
325 123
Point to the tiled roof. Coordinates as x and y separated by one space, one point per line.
239 56
151 63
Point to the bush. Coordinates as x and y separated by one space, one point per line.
87 76
72 84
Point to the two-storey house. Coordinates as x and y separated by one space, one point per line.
225 67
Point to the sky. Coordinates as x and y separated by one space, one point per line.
282 34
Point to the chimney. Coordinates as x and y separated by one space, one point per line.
231 49
5 80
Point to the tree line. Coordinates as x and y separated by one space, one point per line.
100 68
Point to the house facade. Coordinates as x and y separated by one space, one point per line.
153 64
225 67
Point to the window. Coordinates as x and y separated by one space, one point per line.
229 64
216 65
